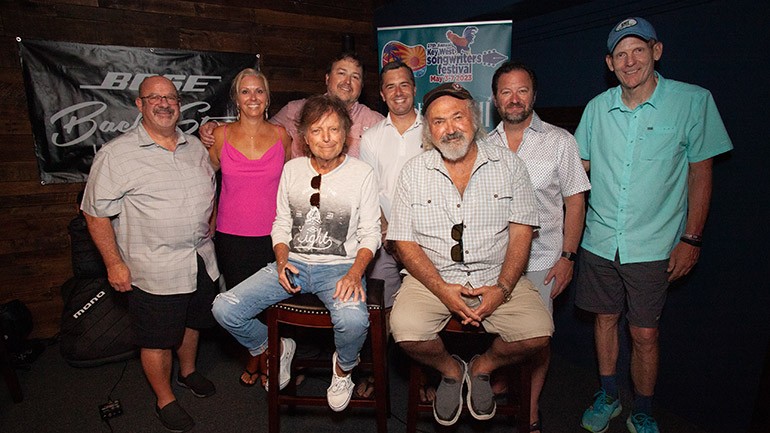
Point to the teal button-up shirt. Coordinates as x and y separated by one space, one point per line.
639 164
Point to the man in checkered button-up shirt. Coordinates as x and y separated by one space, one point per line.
463 221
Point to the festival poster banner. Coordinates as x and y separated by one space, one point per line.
81 96
466 53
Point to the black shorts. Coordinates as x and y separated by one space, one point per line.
159 321
605 287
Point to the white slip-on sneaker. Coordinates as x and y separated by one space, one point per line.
284 369
341 389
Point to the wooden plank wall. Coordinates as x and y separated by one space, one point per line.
295 38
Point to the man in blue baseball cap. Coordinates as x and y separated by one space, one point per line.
649 145
638 27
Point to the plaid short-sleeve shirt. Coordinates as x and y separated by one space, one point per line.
428 204
160 203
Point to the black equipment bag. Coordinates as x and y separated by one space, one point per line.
86 260
16 324
95 327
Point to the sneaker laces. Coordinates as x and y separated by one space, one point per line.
340 383
602 397
643 421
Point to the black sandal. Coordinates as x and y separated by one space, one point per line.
536 426
256 375
258 370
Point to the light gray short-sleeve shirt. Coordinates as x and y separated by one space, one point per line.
160 203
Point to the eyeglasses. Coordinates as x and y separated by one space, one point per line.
315 199
457 251
155 99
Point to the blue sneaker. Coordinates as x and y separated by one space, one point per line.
641 423
597 418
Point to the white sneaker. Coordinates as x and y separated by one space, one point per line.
284 368
339 392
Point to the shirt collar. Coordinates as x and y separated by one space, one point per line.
653 100
355 107
484 154
499 130
145 140
658 92
536 124
417 121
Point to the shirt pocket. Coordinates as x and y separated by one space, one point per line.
428 213
497 208
663 143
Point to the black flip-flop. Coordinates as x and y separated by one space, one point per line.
251 374
537 425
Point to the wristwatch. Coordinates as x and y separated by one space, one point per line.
569 256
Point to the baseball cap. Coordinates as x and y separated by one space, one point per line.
633 26
454 90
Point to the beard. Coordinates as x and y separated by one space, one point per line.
510 117
453 146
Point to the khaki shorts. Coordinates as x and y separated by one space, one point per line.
537 278
418 315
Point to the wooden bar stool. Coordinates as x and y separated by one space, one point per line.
517 376
306 310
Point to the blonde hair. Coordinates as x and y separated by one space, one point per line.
248 72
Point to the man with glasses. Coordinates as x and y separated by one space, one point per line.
463 222
148 204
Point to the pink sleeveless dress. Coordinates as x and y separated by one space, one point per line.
249 188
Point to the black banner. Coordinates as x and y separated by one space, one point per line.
81 96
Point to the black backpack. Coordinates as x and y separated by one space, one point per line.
95 327
16 324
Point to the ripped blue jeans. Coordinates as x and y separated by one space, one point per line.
236 309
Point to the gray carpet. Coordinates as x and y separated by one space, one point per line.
60 398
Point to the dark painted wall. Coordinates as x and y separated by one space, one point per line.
715 328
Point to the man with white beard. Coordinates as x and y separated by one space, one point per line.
463 220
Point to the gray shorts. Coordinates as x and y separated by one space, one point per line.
418 315
605 287
384 267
